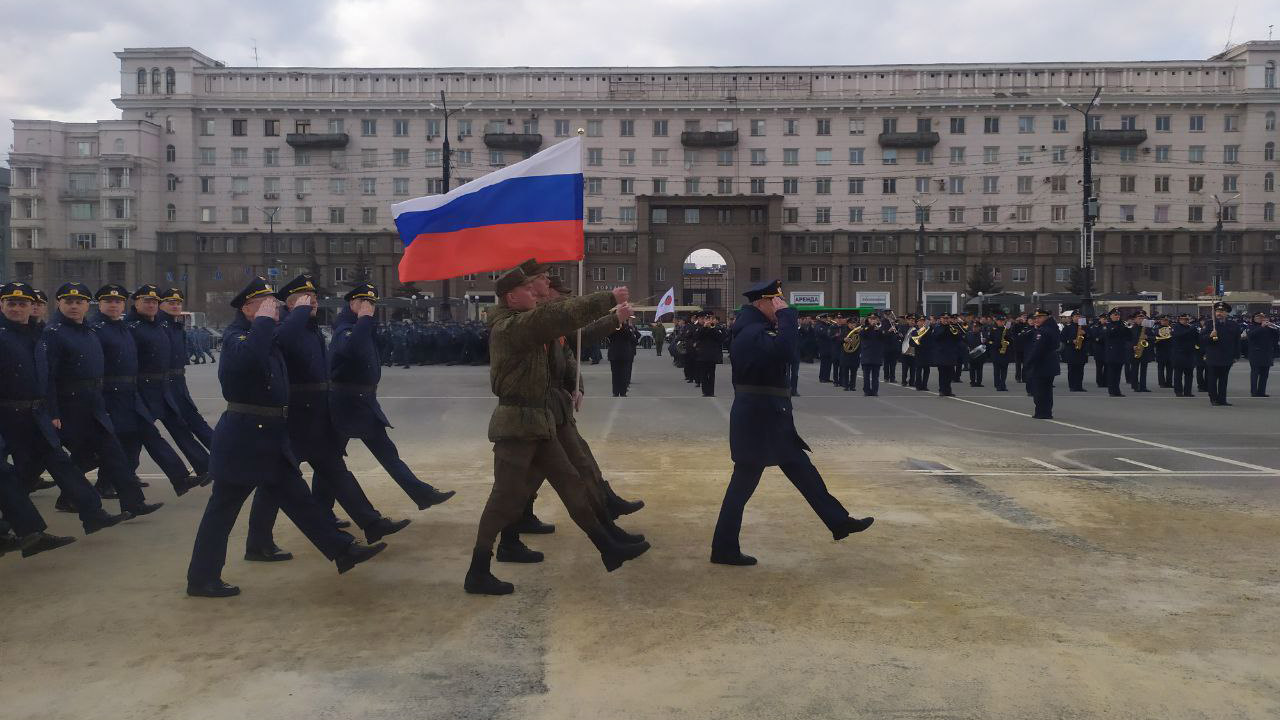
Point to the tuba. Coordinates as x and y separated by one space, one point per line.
853 340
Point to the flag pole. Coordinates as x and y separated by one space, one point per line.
577 382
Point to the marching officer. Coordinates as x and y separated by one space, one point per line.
1001 353
171 306
1184 337
21 515
947 339
709 349
24 421
1262 336
72 354
1164 351
1118 342
311 433
133 422
762 431
1075 351
875 341
1221 344
251 448
1042 363
1144 351
152 340
354 373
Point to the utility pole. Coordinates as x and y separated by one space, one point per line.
1088 208
446 154
922 209
1219 282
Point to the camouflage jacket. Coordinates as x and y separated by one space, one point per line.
520 362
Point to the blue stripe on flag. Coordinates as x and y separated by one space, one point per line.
538 198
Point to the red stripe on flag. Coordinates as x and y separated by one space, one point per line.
437 256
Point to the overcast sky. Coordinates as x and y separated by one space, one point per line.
57 62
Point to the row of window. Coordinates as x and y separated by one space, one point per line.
758 127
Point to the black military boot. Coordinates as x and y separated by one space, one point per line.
186 485
621 536
430 496
38 542
356 554
512 550
480 581
617 506
383 527
529 524
212 589
851 526
103 520
143 508
613 553
735 557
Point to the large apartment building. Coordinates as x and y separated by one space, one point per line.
822 176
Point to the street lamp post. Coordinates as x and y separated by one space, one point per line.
446 154
1089 209
922 209
1219 281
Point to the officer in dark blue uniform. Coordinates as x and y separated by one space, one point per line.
171 307
876 338
1184 337
24 418
311 433
1042 363
1262 337
133 422
762 431
947 341
1075 351
1221 343
1118 348
251 448
151 337
70 350
354 372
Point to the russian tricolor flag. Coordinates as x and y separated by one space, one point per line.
530 209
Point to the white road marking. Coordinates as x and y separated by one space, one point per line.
1097 473
1139 441
1042 463
1142 464
843 425
613 415
720 406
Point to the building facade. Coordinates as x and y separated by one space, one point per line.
4 224
820 176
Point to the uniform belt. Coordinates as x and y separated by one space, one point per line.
309 387
176 372
151 376
21 404
75 386
345 387
514 402
119 379
260 410
763 390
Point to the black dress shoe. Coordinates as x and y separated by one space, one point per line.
341 524
103 520
8 544
514 551
1041 417
1116 394
431 496
106 492
271 554
204 478
383 527
43 485
851 526
1224 403
143 509
36 543
63 504
618 554
731 558
356 554
212 589
185 485
531 525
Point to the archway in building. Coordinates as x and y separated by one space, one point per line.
706 280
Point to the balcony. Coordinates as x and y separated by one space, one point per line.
117 191
24 191
908 139
1117 138
709 138
525 142
317 141
77 194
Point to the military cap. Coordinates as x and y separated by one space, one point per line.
172 294
147 291
1040 313
73 290
558 285
41 297
1222 305
257 287
17 290
1113 311
510 280
532 267
769 289
364 291
112 290
303 283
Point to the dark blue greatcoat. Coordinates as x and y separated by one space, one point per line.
874 343
762 430
23 379
74 358
1223 351
948 345
179 358
1042 351
248 449
1262 345
152 342
355 369
1184 339
120 362
300 340
1118 343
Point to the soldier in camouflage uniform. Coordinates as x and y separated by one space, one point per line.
522 427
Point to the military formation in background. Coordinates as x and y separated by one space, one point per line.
408 342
